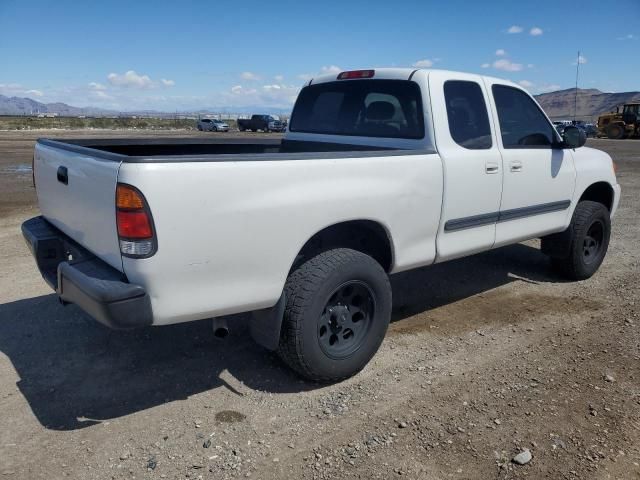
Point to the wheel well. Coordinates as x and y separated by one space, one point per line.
366 236
600 192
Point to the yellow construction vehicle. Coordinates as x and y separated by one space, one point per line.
621 125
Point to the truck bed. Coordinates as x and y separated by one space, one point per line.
211 150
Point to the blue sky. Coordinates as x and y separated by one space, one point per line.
170 55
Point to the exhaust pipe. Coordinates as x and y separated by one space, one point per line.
220 328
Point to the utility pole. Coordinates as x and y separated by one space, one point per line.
575 97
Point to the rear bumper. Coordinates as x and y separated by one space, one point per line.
79 277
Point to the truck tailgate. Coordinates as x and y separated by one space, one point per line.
76 193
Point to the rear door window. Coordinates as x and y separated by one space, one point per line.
367 108
467 114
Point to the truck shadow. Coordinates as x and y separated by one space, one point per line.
75 373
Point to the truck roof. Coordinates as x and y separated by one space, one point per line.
401 74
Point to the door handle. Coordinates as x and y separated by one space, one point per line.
516 166
491 167
63 175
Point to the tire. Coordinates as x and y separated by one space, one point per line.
338 307
615 132
587 241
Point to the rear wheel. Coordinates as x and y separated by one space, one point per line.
338 306
615 132
587 241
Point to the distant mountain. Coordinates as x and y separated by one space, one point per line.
591 102
27 106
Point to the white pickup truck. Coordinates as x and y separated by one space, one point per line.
380 171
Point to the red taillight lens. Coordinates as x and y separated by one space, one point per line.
134 222
356 74
134 225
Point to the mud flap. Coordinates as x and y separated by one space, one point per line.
265 325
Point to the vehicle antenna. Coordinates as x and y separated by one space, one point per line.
575 97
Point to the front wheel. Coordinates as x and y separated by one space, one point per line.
615 132
338 307
585 242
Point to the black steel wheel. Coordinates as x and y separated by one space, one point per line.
593 242
346 319
338 307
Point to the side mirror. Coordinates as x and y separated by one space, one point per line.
574 137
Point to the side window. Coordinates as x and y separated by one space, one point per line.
467 114
522 123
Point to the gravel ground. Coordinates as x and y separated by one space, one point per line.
487 358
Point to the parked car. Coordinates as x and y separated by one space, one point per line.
266 123
212 125
381 171
559 126
590 129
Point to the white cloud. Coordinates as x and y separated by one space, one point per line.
17 90
515 29
485 65
550 87
426 63
167 83
271 87
330 69
507 65
525 83
500 52
97 86
100 94
629 36
581 60
249 76
279 78
236 89
305 76
536 31
130 79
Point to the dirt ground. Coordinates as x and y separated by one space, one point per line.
486 356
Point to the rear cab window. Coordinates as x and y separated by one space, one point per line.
364 108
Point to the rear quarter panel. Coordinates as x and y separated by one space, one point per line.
228 232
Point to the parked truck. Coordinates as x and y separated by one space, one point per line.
381 171
266 123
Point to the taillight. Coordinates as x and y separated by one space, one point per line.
135 224
356 74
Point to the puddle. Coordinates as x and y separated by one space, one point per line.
230 416
22 168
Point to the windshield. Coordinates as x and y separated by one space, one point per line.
367 108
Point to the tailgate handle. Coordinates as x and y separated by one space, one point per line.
63 176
